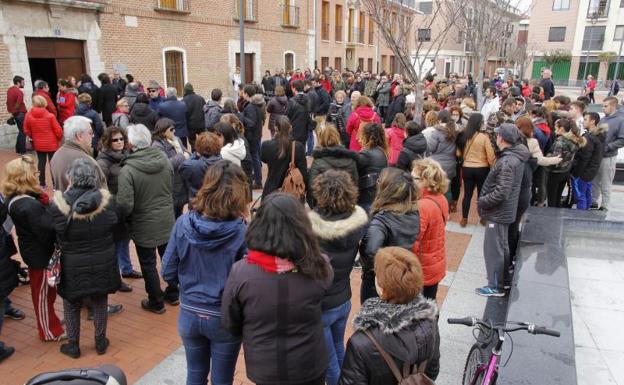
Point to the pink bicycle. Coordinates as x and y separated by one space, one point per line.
479 372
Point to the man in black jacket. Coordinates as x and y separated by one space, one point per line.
299 113
314 102
498 205
547 85
107 99
253 118
195 122
587 160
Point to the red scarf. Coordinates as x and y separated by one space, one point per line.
270 263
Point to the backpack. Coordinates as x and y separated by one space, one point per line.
415 376
293 182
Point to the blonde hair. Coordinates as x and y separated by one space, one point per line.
328 136
469 102
20 176
39 101
432 175
121 101
431 119
340 92
549 105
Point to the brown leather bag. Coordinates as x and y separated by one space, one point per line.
415 376
293 182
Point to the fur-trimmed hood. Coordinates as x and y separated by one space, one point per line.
600 129
577 140
329 230
391 318
87 203
334 151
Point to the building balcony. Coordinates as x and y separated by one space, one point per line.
598 9
85 4
176 6
250 11
356 36
290 16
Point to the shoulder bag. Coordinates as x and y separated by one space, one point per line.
294 183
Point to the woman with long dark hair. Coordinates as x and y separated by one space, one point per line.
371 160
273 298
205 243
442 147
276 153
475 148
395 222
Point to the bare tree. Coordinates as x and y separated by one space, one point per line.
485 24
413 38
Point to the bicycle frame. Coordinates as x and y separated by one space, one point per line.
491 368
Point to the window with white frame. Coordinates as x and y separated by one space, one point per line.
561 5
175 69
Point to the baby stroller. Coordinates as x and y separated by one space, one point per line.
103 375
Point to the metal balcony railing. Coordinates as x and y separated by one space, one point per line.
356 35
598 9
290 16
250 10
183 6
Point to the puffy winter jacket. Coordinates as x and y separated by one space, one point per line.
175 110
430 246
253 118
332 158
498 201
141 113
615 135
89 262
193 170
278 106
96 123
443 151
198 248
395 137
397 106
339 237
212 113
362 114
67 103
588 158
235 152
44 129
414 147
323 102
387 228
408 332
370 163
566 146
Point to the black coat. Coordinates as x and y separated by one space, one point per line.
89 260
33 226
94 92
313 100
175 110
408 332
414 147
8 266
388 228
588 158
141 113
500 194
324 100
110 163
549 88
268 83
253 118
397 106
195 121
299 115
278 105
339 237
370 163
279 166
283 340
107 102
332 158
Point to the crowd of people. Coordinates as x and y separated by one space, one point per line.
354 177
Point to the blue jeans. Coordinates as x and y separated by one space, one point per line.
334 324
310 143
204 341
123 256
582 193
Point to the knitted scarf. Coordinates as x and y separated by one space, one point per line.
270 263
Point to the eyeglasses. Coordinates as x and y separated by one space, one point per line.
152 91
115 140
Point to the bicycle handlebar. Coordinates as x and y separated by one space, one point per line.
531 328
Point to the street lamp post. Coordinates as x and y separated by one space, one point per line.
593 19
241 24
617 66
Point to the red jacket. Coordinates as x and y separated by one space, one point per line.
51 107
67 104
15 100
44 130
526 91
327 85
361 114
395 136
430 246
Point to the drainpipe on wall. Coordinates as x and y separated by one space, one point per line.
315 35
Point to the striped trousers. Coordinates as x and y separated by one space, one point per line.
43 297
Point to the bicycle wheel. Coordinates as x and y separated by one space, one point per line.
476 358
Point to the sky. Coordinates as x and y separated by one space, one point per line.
524 5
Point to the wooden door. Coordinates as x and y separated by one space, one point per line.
249 70
174 70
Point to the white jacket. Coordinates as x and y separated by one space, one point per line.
491 106
234 152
